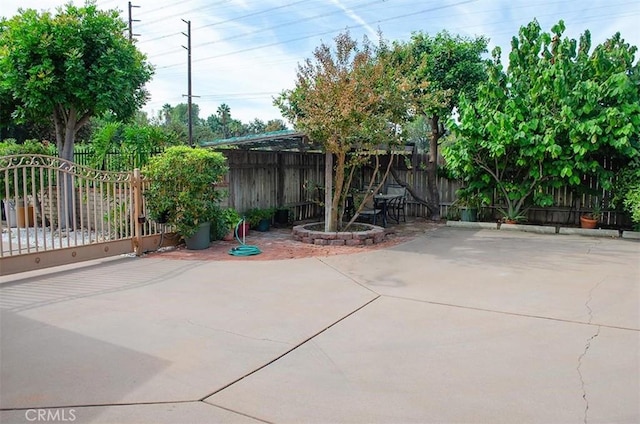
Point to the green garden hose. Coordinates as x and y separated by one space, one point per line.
244 249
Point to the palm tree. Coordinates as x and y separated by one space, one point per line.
224 113
166 113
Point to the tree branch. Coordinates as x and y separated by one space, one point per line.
411 191
369 192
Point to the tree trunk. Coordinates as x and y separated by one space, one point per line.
338 185
66 127
328 188
432 169
412 191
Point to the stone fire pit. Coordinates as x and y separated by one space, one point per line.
366 235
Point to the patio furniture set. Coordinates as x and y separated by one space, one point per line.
388 205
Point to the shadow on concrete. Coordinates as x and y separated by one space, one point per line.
519 250
44 366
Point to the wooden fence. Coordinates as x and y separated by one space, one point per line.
294 180
275 179
290 179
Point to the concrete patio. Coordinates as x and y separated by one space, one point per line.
457 325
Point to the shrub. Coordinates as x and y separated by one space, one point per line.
30 147
182 187
255 215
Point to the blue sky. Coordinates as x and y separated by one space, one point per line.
244 52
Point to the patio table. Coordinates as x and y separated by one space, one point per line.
381 201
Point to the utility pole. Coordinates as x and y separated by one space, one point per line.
131 21
188 34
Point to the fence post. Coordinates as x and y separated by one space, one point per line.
137 211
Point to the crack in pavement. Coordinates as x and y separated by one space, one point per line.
586 349
237 334
586 304
582 384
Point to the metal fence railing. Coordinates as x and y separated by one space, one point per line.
53 205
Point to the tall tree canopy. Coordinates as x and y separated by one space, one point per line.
344 99
551 118
437 70
71 65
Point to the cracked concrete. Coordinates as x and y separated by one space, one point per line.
584 353
454 326
582 383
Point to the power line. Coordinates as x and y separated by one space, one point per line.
182 12
323 15
498 27
168 52
388 19
231 19
250 33
262 46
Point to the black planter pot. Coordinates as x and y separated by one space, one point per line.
282 216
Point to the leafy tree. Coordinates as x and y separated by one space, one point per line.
165 113
550 118
418 131
632 204
436 71
256 126
626 190
235 128
344 99
275 125
175 121
180 113
135 144
72 65
213 122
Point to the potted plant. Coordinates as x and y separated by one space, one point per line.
19 205
182 191
283 216
468 204
230 219
512 215
591 218
260 218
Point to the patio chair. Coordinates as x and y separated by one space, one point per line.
396 207
371 212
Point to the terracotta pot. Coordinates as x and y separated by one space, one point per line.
229 236
243 229
586 222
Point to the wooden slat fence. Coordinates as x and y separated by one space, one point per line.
288 179
268 179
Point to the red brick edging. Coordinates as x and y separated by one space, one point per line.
371 236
